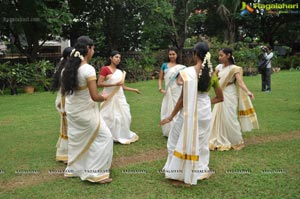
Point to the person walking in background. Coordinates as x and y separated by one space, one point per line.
90 146
266 73
169 72
62 143
115 110
188 151
236 113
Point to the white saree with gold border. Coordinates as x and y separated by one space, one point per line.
171 96
183 146
90 146
62 142
116 112
232 116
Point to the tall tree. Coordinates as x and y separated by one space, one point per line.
29 23
170 18
272 25
228 13
112 24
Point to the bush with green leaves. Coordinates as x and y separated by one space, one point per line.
11 75
133 69
6 75
290 62
43 72
98 62
17 75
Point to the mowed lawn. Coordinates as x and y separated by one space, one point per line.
268 167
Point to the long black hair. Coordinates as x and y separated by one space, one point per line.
228 51
200 50
56 78
69 77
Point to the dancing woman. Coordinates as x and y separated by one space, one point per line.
90 142
188 152
115 110
169 73
236 113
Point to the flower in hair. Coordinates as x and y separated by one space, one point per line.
77 54
233 59
72 52
208 62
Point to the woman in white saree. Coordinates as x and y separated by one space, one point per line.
236 113
188 152
90 146
62 142
115 110
169 73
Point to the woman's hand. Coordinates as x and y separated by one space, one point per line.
120 83
59 105
251 95
104 96
162 91
165 121
137 91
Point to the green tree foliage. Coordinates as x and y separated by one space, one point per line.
271 26
228 10
170 18
29 23
114 25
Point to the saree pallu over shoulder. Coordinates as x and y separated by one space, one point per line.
114 91
173 91
172 73
116 111
186 154
246 112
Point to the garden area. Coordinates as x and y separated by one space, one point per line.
268 167
33 35
140 66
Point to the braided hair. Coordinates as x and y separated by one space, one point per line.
69 77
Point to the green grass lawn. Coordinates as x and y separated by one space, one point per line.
268 167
